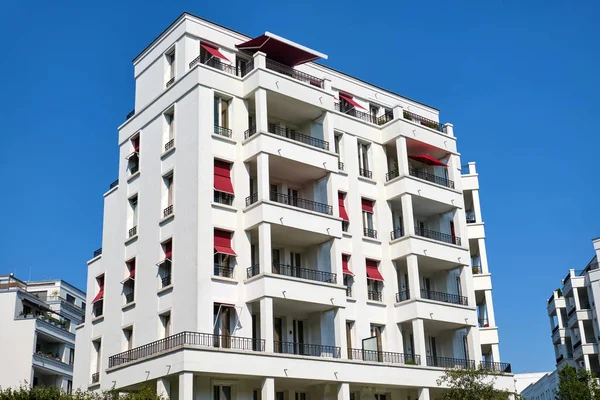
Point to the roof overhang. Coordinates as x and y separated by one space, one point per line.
281 50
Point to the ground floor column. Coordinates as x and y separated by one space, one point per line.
343 392
266 322
419 339
268 389
424 394
186 385
163 388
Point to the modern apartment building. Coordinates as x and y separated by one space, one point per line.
335 216
37 334
574 317
537 385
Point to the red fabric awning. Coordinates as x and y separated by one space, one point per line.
281 50
169 250
373 271
99 296
350 100
345 269
343 213
427 159
136 143
223 177
367 205
222 243
214 51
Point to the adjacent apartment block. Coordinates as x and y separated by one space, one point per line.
348 249
37 337
573 311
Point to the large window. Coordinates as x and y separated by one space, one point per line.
169 188
223 187
133 215
165 265
368 207
363 160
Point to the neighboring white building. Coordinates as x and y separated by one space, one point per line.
573 312
537 385
332 211
37 338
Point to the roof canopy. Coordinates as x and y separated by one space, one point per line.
281 50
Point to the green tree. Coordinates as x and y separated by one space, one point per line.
146 392
472 384
577 384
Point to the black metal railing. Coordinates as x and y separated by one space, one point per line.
391 175
245 70
577 345
170 82
219 130
223 271
439 236
551 298
340 165
567 278
291 72
304 273
98 252
447 362
170 144
422 121
396 233
223 198
98 309
134 168
438 180
402 296
560 358
131 114
444 297
345 226
571 312
304 349
590 267
366 173
168 211
348 291
496 367
464 170
372 233
253 198
133 231
555 329
187 339
374 295
217 64
301 203
470 215
166 280
476 269
297 136
483 322
114 184
252 271
96 377
129 298
384 356
250 131
381 120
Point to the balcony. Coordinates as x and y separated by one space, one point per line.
194 339
396 234
297 136
222 131
296 272
402 296
303 349
499 367
381 120
439 236
384 357
215 63
444 297
438 180
374 295
52 363
371 233
168 211
446 362
422 121
293 201
365 173
292 73
223 271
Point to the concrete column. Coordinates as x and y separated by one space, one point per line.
414 281
260 60
186 385
419 339
268 389
495 352
483 256
260 105
264 247
266 322
402 154
332 194
489 305
336 261
559 320
576 297
328 132
262 176
474 345
163 388
477 206
448 130
596 243
339 322
407 214
586 361
343 391
424 394
466 283
581 332
327 84
397 112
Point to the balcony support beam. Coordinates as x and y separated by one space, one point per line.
489 305
407 214
268 389
467 286
474 344
266 324
186 385
419 339
414 285
495 352
260 102
328 132
476 205
483 256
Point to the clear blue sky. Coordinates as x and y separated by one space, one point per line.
518 79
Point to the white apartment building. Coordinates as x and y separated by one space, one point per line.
333 211
37 338
537 385
574 317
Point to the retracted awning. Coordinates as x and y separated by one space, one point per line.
345 268
281 50
343 213
350 100
367 205
222 243
222 181
373 271
99 296
131 274
427 159
213 51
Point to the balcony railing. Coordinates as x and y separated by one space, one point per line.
381 120
560 358
372 233
396 233
170 144
476 269
577 345
219 130
496 367
96 377
567 278
483 322
252 271
291 72
304 273
170 82
446 362
551 298
366 173
186 339
166 280
131 114
114 184
571 312
297 136
438 180
340 165
303 349
345 226
374 295
470 215
217 64
134 168
391 175
444 297
402 296
439 236
168 211
223 198
555 329
98 252
250 131
384 356
301 203
133 231
349 291
422 120
225 272
129 298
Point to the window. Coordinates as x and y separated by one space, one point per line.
373 110
169 130
225 320
69 386
99 299
349 329
337 143
129 282
221 114
164 267
133 215
223 192
170 73
240 64
343 212
168 194
374 281
224 256
300 396
363 160
133 159
348 275
70 299
97 357
165 322
368 207
127 339
221 392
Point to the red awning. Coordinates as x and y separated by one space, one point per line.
427 159
367 205
131 271
136 143
345 268
214 51
343 213
350 100
223 177
281 50
168 250
223 243
373 271
99 296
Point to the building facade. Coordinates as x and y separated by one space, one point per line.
538 385
573 317
335 214
38 321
